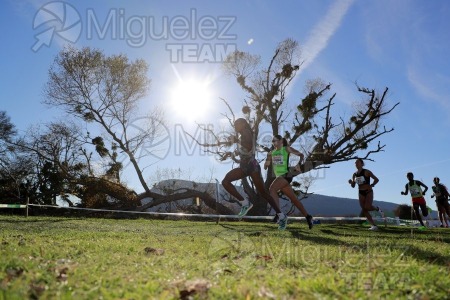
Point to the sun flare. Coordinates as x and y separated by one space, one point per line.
191 99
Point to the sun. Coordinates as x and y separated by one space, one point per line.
191 99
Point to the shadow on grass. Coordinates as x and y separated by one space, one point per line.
242 227
303 234
334 235
429 257
317 239
331 235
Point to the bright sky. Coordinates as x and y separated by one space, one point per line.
401 44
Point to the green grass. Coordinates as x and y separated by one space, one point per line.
74 258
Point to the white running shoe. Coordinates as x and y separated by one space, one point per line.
373 228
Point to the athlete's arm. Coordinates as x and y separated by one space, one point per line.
375 178
291 150
295 152
352 181
268 160
422 184
444 190
406 190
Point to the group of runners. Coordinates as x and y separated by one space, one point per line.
278 157
363 176
440 192
249 167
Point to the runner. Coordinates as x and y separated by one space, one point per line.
441 193
365 192
249 166
279 158
414 187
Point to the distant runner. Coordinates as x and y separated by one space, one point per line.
365 192
418 201
441 193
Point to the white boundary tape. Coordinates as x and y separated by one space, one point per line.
390 220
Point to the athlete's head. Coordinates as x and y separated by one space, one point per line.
410 175
436 180
359 163
277 138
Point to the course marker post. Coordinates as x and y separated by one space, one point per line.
16 206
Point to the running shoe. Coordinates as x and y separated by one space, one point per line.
282 222
373 228
245 209
422 228
309 219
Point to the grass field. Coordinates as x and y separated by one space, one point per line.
89 258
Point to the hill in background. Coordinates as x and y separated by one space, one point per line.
315 204
328 206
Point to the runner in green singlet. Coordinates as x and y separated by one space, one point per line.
279 158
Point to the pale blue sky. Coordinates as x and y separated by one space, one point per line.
401 44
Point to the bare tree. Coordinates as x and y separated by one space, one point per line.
105 90
331 138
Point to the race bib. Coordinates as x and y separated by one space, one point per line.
360 180
415 191
277 160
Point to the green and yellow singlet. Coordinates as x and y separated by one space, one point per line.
280 161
